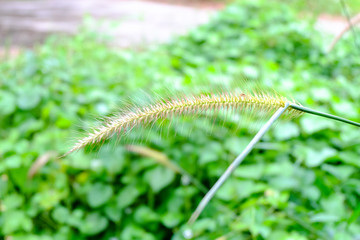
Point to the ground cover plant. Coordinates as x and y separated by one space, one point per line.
299 183
322 6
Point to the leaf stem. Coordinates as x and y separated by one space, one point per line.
210 194
322 114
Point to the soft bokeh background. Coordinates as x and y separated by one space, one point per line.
301 182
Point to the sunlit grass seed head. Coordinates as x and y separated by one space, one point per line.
247 103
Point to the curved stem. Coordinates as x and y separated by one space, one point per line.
210 194
322 114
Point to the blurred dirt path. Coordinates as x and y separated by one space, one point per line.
25 23
29 22
331 24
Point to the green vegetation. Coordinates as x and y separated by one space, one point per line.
301 182
324 6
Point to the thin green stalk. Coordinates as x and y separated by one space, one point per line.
210 194
322 114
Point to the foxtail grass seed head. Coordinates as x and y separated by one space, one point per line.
249 103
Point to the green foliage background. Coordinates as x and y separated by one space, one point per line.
302 181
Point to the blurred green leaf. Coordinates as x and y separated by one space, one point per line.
324 217
315 157
159 177
99 194
113 213
341 172
286 131
127 196
29 98
93 224
236 145
135 232
13 201
7 103
312 124
60 214
334 204
144 215
15 221
171 219
253 171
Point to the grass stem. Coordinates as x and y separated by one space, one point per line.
322 114
210 194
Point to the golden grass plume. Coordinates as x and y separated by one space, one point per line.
249 102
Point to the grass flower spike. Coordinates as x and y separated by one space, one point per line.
247 102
